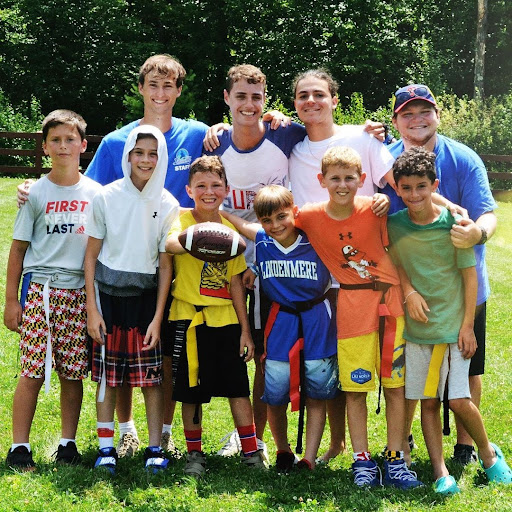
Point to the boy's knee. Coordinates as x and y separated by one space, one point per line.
458 405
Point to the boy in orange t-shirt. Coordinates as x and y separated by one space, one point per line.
351 240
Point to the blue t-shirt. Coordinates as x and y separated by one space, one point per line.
184 144
296 274
462 180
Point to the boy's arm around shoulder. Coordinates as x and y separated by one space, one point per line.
13 311
95 324
248 229
164 282
239 304
467 340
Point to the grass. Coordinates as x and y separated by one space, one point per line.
228 486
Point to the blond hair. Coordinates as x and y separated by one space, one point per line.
342 156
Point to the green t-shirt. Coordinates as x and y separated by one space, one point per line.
432 264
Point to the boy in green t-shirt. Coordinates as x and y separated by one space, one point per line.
440 287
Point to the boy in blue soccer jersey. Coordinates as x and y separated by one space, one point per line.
295 279
440 289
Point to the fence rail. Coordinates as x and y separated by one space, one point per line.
36 153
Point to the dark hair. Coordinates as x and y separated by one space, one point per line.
270 199
416 161
165 65
207 164
321 74
142 136
63 116
248 72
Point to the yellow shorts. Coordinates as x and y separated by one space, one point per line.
359 361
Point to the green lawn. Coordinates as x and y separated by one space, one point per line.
227 485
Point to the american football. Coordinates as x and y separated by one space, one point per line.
212 241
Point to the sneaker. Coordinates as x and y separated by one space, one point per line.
195 465
167 445
446 485
128 444
366 473
21 459
155 459
285 461
464 454
233 446
67 454
500 471
262 446
398 475
107 459
256 460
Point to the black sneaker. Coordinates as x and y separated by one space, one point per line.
464 454
68 454
21 459
285 461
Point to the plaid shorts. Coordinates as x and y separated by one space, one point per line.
68 329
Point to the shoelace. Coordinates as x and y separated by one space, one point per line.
401 472
231 437
366 475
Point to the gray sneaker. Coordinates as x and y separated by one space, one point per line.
256 460
195 465
233 445
128 445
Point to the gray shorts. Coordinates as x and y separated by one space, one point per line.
454 371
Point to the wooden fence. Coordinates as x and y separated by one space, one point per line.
36 153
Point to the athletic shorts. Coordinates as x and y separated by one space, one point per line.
68 328
127 319
359 361
321 380
222 372
259 308
477 365
454 368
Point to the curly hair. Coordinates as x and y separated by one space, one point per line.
416 161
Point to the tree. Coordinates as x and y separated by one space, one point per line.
481 33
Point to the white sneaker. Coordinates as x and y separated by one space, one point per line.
263 447
128 444
233 446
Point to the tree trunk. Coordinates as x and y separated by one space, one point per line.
481 33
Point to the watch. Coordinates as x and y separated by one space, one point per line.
483 238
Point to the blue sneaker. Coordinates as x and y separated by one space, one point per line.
398 475
366 473
499 472
107 459
446 485
155 459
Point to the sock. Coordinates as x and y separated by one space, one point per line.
248 441
127 426
392 456
15 445
105 434
193 438
64 441
166 428
362 456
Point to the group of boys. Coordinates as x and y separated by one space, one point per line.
209 334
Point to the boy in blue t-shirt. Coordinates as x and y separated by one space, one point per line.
440 290
294 278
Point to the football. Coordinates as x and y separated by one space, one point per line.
212 241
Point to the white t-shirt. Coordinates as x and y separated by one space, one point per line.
53 220
306 160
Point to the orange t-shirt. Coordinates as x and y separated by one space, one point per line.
354 251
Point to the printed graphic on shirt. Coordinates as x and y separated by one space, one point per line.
182 160
214 281
299 269
356 260
65 216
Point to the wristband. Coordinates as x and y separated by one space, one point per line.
408 295
483 238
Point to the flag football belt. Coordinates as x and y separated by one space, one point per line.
387 329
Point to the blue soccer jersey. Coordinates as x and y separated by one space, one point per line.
294 275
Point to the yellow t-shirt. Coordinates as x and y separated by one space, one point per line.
201 283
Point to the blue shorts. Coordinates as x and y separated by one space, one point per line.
321 380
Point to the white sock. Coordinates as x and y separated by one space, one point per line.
64 441
127 426
166 428
106 441
15 445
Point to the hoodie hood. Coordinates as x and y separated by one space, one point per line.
155 184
